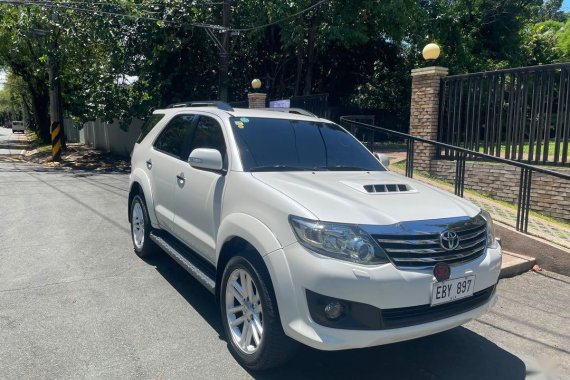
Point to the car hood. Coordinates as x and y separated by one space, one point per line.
344 197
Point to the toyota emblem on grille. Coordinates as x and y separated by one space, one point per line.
449 240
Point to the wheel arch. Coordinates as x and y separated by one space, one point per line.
245 235
140 184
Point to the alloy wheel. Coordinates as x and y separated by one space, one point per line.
243 311
137 228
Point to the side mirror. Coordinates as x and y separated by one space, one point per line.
384 159
205 158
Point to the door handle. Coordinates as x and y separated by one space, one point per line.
181 177
149 164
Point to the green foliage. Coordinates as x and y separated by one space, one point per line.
563 40
542 43
358 51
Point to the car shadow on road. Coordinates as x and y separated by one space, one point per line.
193 292
454 354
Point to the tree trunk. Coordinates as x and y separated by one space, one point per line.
299 72
311 58
40 111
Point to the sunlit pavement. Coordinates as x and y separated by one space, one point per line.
11 145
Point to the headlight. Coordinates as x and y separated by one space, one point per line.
340 241
491 240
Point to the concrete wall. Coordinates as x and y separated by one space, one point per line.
549 195
110 137
71 133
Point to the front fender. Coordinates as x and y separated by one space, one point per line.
139 176
250 229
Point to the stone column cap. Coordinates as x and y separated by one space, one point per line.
259 95
431 70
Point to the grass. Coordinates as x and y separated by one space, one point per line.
390 145
38 144
402 166
526 149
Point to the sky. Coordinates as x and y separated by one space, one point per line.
2 78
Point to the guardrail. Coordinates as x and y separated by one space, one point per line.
460 156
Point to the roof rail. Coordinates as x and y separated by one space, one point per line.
203 103
298 111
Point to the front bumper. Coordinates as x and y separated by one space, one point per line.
294 270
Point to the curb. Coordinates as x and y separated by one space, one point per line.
514 264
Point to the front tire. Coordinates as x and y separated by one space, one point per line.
141 227
250 316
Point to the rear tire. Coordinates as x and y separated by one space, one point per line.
141 227
250 316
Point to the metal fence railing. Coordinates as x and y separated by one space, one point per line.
460 156
522 114
316 103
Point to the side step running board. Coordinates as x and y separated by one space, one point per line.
186 259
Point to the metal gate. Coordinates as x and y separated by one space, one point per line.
317 104
522 114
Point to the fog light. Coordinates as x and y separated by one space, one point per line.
334 310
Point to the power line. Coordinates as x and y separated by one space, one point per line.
86 3
240 30
62 6
58 5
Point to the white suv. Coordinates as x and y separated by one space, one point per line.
302 234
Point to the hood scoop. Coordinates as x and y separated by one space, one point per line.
381 188
388 188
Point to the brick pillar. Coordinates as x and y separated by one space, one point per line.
256 99
424 112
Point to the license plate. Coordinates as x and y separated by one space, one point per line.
452 290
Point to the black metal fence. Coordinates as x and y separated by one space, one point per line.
316 103
240 104
461 154
522 114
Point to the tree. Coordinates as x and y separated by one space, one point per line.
359 51
21 50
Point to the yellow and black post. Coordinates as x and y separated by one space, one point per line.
56 141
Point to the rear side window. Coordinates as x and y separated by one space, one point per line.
149 124
171 140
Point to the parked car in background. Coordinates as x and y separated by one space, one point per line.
302 234
18 126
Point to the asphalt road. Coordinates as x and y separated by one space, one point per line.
76 302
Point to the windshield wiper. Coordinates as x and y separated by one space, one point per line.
282 168
345 168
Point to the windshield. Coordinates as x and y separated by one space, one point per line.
289 145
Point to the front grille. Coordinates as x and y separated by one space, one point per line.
415 315
425 249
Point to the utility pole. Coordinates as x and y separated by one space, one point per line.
56 107
225 51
